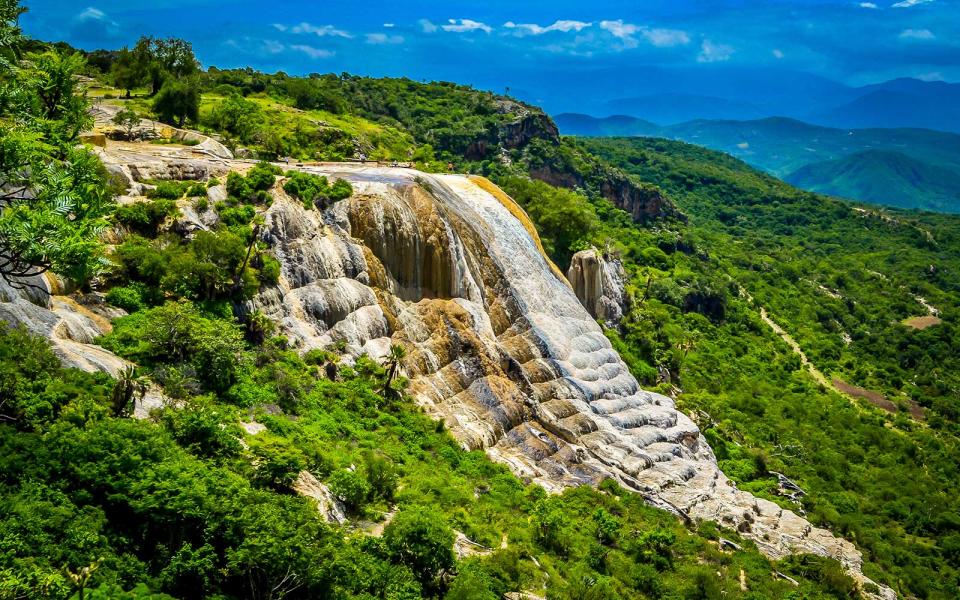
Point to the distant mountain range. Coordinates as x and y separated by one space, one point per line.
909 168
669 96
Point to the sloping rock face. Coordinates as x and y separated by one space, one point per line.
599 285
70 326
499 345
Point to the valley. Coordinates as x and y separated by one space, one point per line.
905 168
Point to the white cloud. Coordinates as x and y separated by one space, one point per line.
917 34
318 30
777 53
711 52
564 26
273 47
665 38
619 29
931 76
389 25
426 26
910 3
312 52
661 38
869 5
382 38
466 25
92 14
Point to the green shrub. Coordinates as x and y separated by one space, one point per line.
315 190
145 217
127 297
269 268
236 216
278 463
350 488
197 190
177 334
254 187
204 428
169 190
420 539
237 186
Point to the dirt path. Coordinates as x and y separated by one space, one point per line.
817 375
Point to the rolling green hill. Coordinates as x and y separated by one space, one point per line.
883 177
908 168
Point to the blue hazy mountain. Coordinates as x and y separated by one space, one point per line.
669 96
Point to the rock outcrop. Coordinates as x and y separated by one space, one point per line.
644 203
71 327
599 284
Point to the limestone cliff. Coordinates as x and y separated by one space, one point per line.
499 345
599 284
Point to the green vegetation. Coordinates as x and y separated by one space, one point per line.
821 268
906 168
315 190
883 177
55 198
177 505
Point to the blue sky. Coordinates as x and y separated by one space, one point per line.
536 47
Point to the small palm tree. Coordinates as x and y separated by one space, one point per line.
128 389
392 365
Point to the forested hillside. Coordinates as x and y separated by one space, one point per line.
198 499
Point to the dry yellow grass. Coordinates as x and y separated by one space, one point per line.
922 322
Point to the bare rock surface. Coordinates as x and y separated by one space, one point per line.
599 284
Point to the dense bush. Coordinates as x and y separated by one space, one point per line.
145 217
178 335
315 190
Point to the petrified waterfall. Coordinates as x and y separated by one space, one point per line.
499 345
599 284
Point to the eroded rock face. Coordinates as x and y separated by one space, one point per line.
599 285
70 326
500 346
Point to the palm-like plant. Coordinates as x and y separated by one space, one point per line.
392 365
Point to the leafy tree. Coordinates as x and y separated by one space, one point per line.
350 488
127 71
178 335
128 119
163 60
236 116
420 539
178 101
54 197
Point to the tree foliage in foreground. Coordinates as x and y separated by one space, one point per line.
55 197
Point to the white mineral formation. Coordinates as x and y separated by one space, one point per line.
599 284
